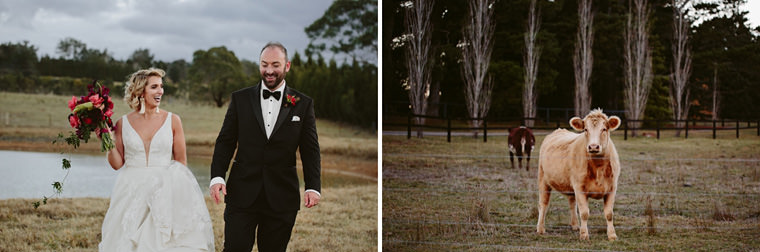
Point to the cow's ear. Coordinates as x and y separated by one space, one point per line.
613 123
577 123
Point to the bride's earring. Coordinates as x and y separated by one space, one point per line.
142 106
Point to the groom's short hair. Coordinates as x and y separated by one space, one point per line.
277 45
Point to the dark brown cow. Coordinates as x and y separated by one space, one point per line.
521 142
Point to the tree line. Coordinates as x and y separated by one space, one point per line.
724 53
344 91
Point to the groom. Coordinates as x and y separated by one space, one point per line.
266 124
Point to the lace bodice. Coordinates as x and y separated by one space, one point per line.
160 146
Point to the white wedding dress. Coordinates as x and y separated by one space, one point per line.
156 203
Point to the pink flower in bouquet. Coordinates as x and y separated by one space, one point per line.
87 120
96 100
73 103
74 121
108 113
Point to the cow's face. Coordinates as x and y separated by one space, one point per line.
596 127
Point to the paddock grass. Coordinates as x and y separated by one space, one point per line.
674 194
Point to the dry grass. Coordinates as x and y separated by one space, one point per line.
345 220
703 194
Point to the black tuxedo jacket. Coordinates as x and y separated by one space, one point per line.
262 164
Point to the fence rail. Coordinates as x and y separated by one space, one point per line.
548 124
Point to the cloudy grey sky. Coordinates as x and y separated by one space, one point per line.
171 29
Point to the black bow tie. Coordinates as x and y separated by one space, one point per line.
268 93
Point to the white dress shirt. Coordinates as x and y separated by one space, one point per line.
270 109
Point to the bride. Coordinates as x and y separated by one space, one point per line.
156 203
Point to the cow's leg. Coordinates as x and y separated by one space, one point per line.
582 201
573 213
609 202
527 162
512 158
519 161
544 193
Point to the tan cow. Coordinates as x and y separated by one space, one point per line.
580 166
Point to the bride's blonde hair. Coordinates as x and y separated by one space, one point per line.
136 85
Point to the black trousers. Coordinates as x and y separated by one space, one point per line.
242 226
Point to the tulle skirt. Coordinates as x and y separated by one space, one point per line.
157 209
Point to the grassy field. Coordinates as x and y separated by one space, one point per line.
345 220
695 194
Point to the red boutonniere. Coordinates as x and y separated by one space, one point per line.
290 100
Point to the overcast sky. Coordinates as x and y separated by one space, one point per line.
170 29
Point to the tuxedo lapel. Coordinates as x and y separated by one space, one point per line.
256 101
284 110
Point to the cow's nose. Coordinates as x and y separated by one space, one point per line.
593 148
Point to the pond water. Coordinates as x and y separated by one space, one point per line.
31 175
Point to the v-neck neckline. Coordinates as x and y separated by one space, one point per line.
147 151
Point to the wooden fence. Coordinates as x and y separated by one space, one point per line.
509 123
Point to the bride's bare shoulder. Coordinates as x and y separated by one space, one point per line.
176 121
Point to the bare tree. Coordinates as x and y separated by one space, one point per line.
530 60
681 72
638 61
716 96
476 53
419 29
583 59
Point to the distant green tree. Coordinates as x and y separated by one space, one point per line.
726 54
215 74
141 59
70 48
350 26
18 58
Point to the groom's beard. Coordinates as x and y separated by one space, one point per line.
277 80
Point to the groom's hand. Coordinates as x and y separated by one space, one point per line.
215 192
311 199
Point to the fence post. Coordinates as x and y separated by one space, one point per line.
409 125
686 126
713 129
657 122
485 130
737 128
448 129
625 130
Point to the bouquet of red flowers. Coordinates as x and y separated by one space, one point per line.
89 113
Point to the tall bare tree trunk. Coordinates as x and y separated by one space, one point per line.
679 79
476 53
583 60
419 26
716 96
530 60
638 62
